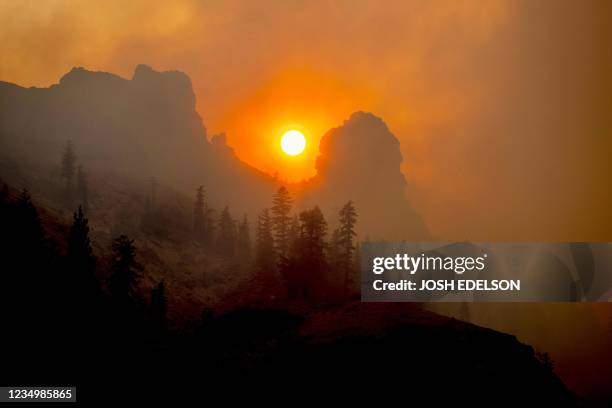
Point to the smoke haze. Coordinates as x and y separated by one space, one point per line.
502 109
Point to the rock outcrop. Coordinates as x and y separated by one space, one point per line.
360 161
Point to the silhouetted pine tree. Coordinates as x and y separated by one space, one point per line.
25 253
333 250
125 272
158 306
313 228
30 234
30 289
244 239
265 260
226 234
545 360
68 164
281 207
82 189
304 273
203 222
80 260
294 231
346 247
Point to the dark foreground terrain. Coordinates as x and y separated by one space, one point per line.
63 326
354 352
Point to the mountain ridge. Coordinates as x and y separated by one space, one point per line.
148 127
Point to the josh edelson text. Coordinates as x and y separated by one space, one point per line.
406 266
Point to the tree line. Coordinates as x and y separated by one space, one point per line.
57 294
294 247
297 248
225 234
291 246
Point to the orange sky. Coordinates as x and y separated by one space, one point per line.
258 67
492 101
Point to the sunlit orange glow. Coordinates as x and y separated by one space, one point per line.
293 98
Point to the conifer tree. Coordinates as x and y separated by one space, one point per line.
313 228
226 233
333 250
82 189
346 235
304 271
30 231
203 221
126 272
264 257
198 213
244 239
29 256
28 277
281 207
80 259
294 231
28 245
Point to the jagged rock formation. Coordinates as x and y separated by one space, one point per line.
360 161
147 127
143 127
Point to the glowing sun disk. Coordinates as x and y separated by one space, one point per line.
293 142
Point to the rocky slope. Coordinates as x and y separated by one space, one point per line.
141 127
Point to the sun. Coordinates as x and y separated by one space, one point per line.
293 142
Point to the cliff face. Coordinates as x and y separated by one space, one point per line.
143 127
360 161
132 124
